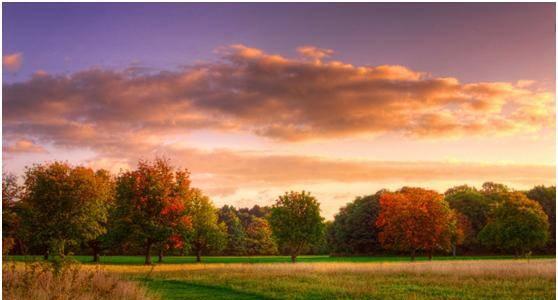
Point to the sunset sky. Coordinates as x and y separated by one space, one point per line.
257 99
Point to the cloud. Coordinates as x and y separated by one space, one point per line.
314 52
24 146
248 90
222 172
12 62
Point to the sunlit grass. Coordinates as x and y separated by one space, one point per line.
488 279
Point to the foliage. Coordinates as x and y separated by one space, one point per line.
259 238
64 205
296 222
207 233
236 235
11 193
414 219
353 230
516 224
474 206
546 197
150 203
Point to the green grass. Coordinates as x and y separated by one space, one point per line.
139 260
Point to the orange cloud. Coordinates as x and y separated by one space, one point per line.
268 95
12 62
24 146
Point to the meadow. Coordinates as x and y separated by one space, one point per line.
322 277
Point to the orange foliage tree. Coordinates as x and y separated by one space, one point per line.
414 219
151 204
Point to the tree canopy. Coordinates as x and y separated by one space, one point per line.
296 222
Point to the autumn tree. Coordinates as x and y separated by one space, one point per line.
236 235
516 224
64 206
150 203
546 197
353 230
296 222
414 219
207 233
259 238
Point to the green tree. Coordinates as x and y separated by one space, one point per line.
207 233
259 238
546 197
11 194
150 203
296 222
236 236
104 185
353 230
516 224
472 204
64 206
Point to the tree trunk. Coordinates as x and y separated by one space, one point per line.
148 253
430 254
182 251
293 258
45 256
454 250
96 255
160 255
198 255
413 254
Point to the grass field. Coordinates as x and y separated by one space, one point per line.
321 277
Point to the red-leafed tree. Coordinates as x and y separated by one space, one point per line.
414 219
151 203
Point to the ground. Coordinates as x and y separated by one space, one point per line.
322 277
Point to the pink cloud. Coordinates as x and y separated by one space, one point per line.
12 62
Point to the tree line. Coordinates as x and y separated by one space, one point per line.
60 209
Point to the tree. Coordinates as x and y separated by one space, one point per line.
259 238
414 219
11 193
207 233
474 206
460 230
494 191
516 224
63 206
353 230
236 236
546 197
104 185
296 222
150 203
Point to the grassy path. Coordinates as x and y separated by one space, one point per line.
179 289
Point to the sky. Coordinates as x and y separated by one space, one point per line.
257 99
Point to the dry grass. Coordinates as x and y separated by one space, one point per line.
499 268
40 281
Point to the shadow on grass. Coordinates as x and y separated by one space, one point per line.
176 289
